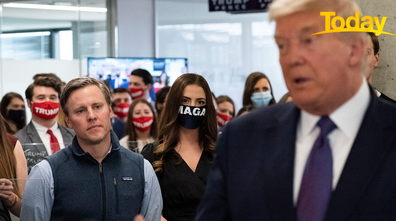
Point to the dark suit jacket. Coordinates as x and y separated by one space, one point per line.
252 175
383 96
32 145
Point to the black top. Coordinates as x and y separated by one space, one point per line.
181 188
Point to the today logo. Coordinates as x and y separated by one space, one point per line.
196 111
367 24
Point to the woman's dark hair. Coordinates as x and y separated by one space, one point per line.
160 97
224 98
168 127
252 80
130 128
7 158
244 109
5 101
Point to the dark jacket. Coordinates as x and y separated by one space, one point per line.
87 190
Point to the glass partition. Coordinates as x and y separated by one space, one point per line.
223 47
49 36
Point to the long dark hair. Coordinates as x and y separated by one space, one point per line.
130 128
169 128
7 158
5 101
249 88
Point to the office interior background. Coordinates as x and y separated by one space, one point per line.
58 36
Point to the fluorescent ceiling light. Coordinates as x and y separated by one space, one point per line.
54 7
26 34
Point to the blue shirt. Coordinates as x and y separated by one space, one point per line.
38 197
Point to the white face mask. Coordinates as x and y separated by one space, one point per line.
261 98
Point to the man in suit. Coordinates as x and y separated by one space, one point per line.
120 101
329 155
43 136
373 57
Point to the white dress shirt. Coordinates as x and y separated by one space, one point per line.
46 138
347 118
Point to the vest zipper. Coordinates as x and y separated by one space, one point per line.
103 192
116 193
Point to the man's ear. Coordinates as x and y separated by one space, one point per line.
357 52
68 122
377 59
29 103
149 86
111 112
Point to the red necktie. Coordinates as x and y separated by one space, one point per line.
54 142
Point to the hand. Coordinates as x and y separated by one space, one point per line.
138 218
6 191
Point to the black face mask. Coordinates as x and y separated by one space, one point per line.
191 117
17 116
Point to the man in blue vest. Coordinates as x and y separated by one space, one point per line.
94 178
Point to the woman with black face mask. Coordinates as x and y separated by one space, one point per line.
12 108
183 155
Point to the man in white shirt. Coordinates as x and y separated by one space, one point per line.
43 136
328 155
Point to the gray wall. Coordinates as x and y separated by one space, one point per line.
136 28
384 76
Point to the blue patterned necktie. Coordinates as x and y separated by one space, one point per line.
316 184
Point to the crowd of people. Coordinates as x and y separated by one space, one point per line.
96 154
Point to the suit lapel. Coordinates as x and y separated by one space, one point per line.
369 148
279 164
34 137
66 135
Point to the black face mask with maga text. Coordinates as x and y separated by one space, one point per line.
191 117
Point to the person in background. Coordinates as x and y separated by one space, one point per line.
184 152
60 117
162 82
285 98
258 90
13 172
121 100
225 110
245 110
43 136
373 57
214 100
140 85
160 99
94 178
12 107
141 127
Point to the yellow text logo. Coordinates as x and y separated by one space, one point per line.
338 24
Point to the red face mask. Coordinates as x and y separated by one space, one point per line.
142 123
222 119
46 110
121 110
136 92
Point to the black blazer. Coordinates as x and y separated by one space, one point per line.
252 175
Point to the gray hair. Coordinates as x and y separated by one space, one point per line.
342 8
82 82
